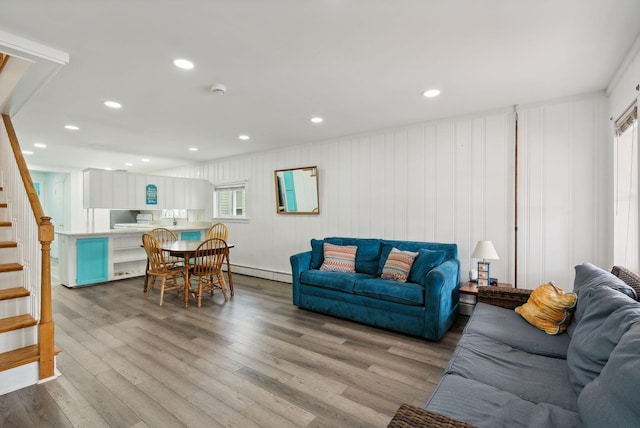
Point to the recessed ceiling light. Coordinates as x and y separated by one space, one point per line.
108 169
113 104
72 127
243 137
27 152
317 119
193 149
430 93
128 164
184 64
145 160
40 145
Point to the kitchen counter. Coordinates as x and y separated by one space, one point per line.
142 229
87 258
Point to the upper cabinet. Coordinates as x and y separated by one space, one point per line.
122 190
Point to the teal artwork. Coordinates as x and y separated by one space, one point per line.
37 187
152 194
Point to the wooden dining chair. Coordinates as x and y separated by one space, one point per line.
221 231
218 230
207 267
162 234
158 267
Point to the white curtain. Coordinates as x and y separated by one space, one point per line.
626 233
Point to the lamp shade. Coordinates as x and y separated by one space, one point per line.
485 250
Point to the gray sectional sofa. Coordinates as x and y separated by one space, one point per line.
507 373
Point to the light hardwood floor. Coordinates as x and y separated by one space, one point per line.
255 361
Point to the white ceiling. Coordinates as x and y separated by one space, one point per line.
360 64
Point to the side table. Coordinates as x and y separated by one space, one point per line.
469 296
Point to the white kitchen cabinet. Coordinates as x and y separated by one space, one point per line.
122 190
98 189
120 184
179 197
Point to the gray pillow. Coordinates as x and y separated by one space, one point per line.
611 400
588 275
606 315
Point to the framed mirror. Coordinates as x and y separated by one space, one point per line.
297 191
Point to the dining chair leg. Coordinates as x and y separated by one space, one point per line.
223 286
229 274
200 291
150 287
146 277
164 283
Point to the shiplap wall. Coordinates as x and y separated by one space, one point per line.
449 180
564 171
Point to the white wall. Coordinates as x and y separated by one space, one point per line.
449 180
623 91
563 203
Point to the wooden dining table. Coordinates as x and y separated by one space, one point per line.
186 250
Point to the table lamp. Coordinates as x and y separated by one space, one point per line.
484 250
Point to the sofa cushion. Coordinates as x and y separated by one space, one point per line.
331 280
490 321
589 276
367 256
549 308
606 315
407 293
612 399
426 260
398 265
317 253
529 376
486 406
339 258
387 246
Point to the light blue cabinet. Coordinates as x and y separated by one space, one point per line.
191 236
92 255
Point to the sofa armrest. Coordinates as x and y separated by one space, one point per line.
441 298
409 416
505 297
299 263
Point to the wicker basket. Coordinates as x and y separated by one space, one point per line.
505 297
409 416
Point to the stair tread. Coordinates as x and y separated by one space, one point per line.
17 322
10 267
5 224
3 205
14 293
8 244
21 356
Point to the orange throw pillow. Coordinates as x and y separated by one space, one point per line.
549 308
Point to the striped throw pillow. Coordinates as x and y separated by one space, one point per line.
339 258
398 265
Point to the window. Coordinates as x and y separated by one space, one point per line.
175 213
626 233
230 200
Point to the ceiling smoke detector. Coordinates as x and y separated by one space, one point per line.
218 89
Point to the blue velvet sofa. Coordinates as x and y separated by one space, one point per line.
426 305
507 373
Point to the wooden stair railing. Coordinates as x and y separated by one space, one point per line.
46 349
